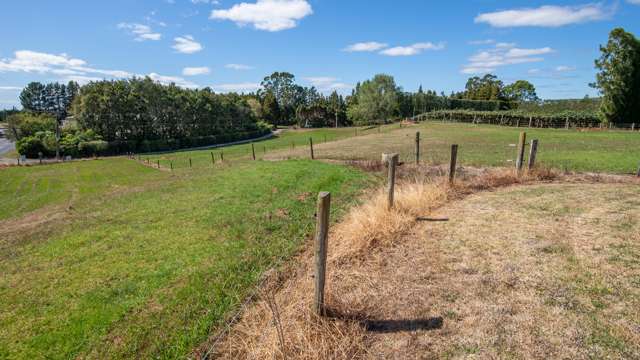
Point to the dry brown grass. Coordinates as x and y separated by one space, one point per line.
381 272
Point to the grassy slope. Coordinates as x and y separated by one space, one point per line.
299 139
482 145
148 271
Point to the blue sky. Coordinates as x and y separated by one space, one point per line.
231 45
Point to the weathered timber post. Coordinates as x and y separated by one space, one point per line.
253 151
521 146
452 163
633 126
221 155
638 173
311 148
264 149
417 147
566 123
213 159
530 120
171 164
325 138
40 157
158 164
322 232
392 161
518 123
533 151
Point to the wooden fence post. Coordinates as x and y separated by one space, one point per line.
417 147
392 161
221 155
638 173
171 164
158 164
521 145
264 149
533 151
633 126
253 151
311 148
452 163
213 159
190 163
322 232
530 120
518 122
566 123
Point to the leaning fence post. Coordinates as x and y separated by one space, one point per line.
311 147
533 151
417 147
452 163
253 151
521 145
392 161
322 232
213 159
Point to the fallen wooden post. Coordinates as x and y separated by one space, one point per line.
322 232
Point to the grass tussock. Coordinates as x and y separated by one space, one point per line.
281 325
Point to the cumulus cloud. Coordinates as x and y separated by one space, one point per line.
489 60
237 87
365 47
238 67
68 68
140 32
414 49
193 71
564 68
546 16
187 45
327 84
482 42
268 15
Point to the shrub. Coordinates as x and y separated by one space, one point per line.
94 147
31 147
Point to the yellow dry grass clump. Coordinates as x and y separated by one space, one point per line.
281 325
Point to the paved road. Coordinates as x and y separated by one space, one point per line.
5 144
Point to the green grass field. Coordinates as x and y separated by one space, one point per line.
146 263
287 140
113 259
490 145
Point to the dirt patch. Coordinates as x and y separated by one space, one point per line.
539 271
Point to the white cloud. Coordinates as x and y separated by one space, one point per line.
482 42
166 80
72 69
212 2
564 68
635 2
193 71
10 88
238 87
518 53
489 60
140 32
186 45
533 71
414 49
327 84
239 67
269 15
546 16
365 47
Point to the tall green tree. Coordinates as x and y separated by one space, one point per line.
376 101
619 77
520 90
